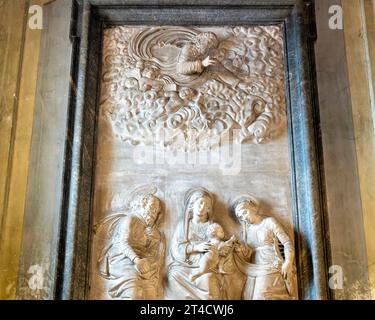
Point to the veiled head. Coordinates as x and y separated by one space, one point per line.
199 204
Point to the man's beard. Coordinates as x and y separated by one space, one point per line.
202 50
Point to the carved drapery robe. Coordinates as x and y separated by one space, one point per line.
265 281
190 62
134 239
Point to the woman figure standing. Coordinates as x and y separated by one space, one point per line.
270 276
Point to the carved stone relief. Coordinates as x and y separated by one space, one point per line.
190 229
170 84
132 261
205 264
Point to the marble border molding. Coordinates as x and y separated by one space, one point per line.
89 17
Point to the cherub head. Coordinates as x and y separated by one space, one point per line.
187 93
131 83
149 73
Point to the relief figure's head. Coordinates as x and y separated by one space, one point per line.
246 209
205 41
131 83
199 205
186 93
150 73
148 206
215 231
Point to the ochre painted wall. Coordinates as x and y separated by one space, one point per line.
11 40
19 68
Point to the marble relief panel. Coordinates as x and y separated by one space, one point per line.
192 191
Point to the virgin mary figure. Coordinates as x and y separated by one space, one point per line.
189 244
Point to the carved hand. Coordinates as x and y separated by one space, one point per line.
208 62
286 269
202 247
232 240
142 265
258 129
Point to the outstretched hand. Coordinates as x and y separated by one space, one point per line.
286 269
202 247
208 62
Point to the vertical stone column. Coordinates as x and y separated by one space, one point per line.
359 30
345 217
44 186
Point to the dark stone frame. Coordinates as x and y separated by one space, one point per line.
309 207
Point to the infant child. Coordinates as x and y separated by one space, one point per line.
219 248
